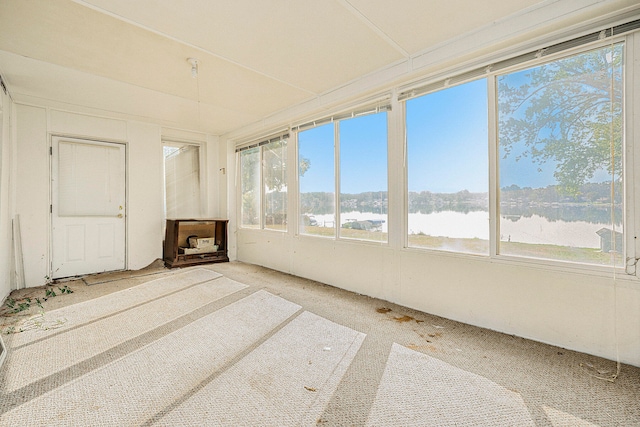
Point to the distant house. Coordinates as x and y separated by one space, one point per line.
606 240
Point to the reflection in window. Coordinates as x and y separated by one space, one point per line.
363 177
275 184
447 162
182 180
250 188
560 135
317 180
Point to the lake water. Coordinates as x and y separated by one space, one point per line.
329 219
451 224
540 230
534 229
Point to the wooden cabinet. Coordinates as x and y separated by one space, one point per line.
177 251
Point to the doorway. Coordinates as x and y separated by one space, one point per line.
183 192
88 211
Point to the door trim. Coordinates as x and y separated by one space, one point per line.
52 136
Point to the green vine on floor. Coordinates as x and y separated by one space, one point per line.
15 306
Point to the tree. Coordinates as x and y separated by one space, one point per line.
274 177
250 185
568 112
275 165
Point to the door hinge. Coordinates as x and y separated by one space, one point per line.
51 151
50 208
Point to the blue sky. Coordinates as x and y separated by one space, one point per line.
363 155
523 172
447 147
447 142
316 145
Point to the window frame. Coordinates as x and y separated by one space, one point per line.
435 90
263 187
241 193
287 137
628 200
631 156
299 212
524 58
335 122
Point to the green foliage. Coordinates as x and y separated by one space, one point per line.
567 112
250 175
275 165
16 306
303 166
317 203
274 156
24 304
426 202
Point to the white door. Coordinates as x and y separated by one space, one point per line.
88 207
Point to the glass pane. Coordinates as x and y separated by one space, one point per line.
91 179
560 131
363 177
447 161
182 181
250 188
317 181
275 185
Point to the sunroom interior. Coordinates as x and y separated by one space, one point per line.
477 161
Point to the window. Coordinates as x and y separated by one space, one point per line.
316 170
361 141
560 159
275 184
363 177
549 167
447 168
182 180
263 184
250 188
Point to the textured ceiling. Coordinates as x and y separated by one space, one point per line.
257 57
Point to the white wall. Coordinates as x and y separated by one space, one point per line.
145 197
567 308
34 127
217 180
227 152
6 147
32 191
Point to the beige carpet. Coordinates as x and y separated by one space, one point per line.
286 381
435 393
54 321
84 341
237 345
